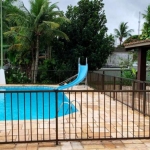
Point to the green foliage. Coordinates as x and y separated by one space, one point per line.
88 36
16 76
132 38
50 73
148 55
44 75
129 74
123 31
146 27
32 31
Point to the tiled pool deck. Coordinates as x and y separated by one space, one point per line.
84 145
89 145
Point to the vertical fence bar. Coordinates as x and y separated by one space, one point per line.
116 117
30 115
144 99
139 107
122 112
5 120
98 83
56 93
114 80
69 117
49 113
11 115
128 115
121 81
18 115
110 113
24 115
43 112
103 82
133 88
76 115
104 115
87 116
81 115
63 113
93 112
37 110
133 119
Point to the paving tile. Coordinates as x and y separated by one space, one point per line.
32 148
7 146
76 145
20 148
93 146
109 146
66 146
48 148
47 144
127 141
135 145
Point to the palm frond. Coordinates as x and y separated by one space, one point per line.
52 25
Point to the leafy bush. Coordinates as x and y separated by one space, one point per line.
16 76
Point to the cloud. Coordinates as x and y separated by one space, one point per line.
124 11
116 11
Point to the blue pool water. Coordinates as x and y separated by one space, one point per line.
30 103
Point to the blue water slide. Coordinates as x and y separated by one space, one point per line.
82 73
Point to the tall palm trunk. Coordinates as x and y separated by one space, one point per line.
36 59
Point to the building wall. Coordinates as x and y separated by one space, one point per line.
117 57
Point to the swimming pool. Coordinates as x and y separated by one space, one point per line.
34 102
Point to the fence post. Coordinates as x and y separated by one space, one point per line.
103 78
144 99
133 88
114 88
121 83
56 92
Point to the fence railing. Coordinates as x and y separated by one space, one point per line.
52 115
106 82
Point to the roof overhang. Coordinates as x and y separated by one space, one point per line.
145 44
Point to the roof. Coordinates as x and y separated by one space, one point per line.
141 43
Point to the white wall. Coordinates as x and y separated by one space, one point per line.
117 57
2 77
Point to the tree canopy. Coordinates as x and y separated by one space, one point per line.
88 36
123 31
146 27
63 38
30 27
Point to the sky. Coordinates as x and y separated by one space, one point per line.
116 11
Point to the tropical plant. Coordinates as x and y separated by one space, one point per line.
15 75
132 38
88 36
123 31
31 27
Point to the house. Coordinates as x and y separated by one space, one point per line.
120 57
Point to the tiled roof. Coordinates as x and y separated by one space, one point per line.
133 45
137 42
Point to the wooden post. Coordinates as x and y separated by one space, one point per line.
141 75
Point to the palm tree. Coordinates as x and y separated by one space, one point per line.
123 31
32 26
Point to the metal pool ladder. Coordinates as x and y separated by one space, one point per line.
71 103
